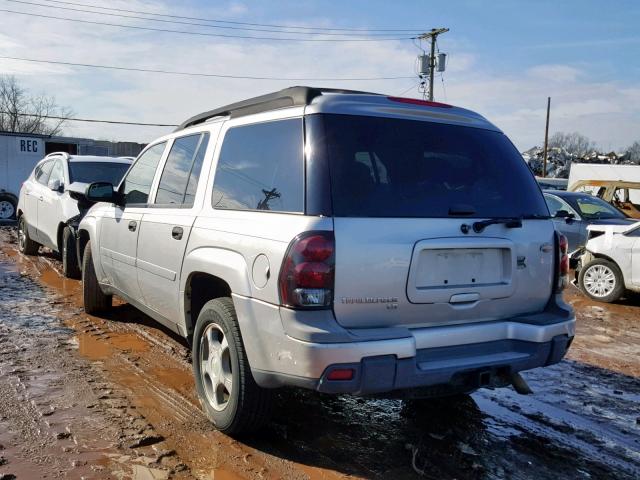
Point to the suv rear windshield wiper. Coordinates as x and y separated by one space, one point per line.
515 222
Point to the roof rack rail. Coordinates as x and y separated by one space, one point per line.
288 97
64 155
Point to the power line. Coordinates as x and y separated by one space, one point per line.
204 34
135 17
290 27
90 120
197 74
413 85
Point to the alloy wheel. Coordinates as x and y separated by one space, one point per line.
22 236
215 366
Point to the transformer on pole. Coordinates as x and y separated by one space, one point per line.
428 64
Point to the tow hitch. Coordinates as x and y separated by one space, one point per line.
520 385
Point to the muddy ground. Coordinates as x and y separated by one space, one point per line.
113 397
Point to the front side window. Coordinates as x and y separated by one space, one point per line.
261 168
57 172
42 172
182 170
137 184
556 204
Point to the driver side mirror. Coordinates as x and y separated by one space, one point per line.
56 185
569 217
102 192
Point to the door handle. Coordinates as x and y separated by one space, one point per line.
177 232
133 225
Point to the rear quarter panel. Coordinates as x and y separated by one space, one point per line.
226 243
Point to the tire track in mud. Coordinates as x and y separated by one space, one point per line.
130 354
56 419
582 422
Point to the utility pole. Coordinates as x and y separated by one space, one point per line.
432 35
546 139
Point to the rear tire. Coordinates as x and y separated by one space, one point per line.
7 207
227 391
26 246
94 299
601 280
70 266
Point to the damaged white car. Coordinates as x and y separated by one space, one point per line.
609 265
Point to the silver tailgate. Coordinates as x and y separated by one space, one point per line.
424 272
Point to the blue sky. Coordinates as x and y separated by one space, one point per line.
505 58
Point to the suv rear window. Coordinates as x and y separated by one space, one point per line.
261 168
385 167
89 172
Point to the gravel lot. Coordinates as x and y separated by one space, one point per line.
113 397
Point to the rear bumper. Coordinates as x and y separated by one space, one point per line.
447 370
458 357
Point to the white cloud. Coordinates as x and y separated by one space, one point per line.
554 73
607 112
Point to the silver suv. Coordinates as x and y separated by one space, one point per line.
340 241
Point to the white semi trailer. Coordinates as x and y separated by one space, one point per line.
18 155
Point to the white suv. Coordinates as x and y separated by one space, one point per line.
339 241
52 201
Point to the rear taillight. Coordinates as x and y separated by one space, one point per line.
563 263
341 374
306 277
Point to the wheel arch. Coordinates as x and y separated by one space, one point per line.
86 231
209 273
81 242
59 234
603 257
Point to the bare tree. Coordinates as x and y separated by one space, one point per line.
633 152
24 113
574 143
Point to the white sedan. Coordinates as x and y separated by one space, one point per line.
610 264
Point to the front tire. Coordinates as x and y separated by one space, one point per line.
26 246
601 280
70 266
95 301
227 391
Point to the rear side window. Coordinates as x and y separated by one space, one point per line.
181 171
385 167
42 172
137 183
261 168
